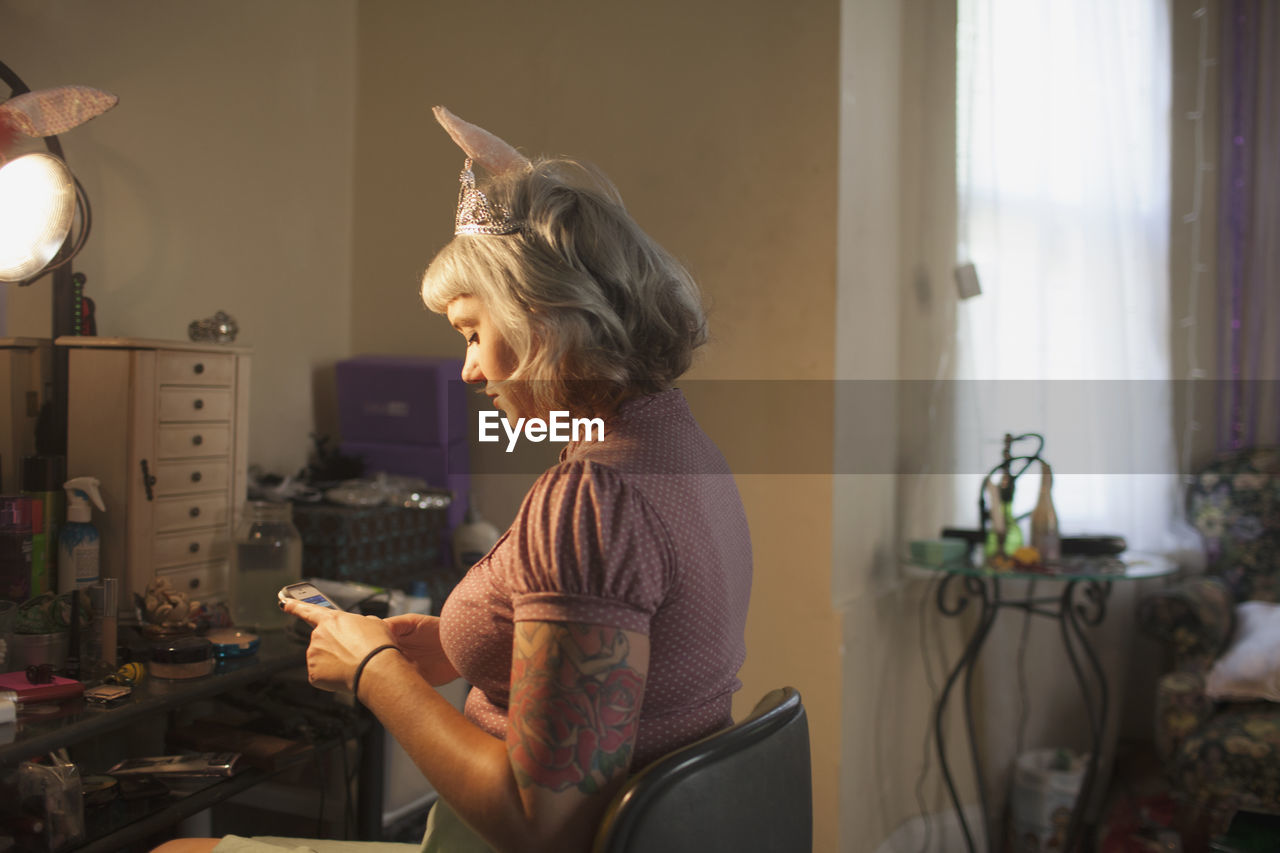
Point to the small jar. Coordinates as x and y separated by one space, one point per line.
182 657
268 557
232 643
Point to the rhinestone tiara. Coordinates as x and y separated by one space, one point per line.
478 215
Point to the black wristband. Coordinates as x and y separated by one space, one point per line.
355 681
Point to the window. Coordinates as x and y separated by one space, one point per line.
1063 189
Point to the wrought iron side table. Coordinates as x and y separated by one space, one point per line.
1081 604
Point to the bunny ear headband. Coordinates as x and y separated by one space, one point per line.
50 112
476 214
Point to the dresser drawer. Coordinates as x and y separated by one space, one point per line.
199 583
194 404
195 368
182 478
213 510
206 440
195 546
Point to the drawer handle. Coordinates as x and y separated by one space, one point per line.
148 480
197 440
194 583
194 547
195 476
199 404
195 512
199 368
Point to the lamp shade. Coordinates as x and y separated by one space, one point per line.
37 205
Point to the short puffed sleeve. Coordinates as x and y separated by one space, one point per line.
589 548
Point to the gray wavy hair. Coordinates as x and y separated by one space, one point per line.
593 308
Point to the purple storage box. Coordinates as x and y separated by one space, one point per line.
443 467
402 400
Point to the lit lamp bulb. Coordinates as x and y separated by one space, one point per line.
37 204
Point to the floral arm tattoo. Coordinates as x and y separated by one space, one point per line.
575 705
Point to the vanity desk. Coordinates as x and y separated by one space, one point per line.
156 704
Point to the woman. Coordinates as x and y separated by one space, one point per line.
605 628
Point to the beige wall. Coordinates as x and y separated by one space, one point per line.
718 124
221 181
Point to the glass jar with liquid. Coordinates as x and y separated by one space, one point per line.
268 556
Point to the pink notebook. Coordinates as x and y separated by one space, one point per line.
59 688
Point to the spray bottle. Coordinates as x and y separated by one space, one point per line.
78 539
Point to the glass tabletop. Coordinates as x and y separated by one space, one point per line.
1129 566
46 726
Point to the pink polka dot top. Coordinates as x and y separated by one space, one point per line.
642 531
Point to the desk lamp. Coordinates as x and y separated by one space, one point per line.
40 231
39 196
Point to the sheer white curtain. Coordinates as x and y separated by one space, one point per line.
1063 187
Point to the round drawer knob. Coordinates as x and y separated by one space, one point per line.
197 440
195 512
193 547
194 583
199 368
199 404
195 476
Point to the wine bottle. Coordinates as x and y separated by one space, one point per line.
1044 519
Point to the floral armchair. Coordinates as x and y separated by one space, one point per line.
1219 742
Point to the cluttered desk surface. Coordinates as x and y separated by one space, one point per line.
116 819
46 726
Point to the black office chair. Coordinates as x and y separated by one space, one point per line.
748 787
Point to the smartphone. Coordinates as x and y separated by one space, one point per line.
305 592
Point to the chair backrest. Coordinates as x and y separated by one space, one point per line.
1234 503
747 787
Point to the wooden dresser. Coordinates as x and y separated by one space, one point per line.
164 426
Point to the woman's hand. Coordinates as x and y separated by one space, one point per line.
418 636
339 642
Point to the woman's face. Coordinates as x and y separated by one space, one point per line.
489 357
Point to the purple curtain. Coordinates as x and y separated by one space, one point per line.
1249 226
